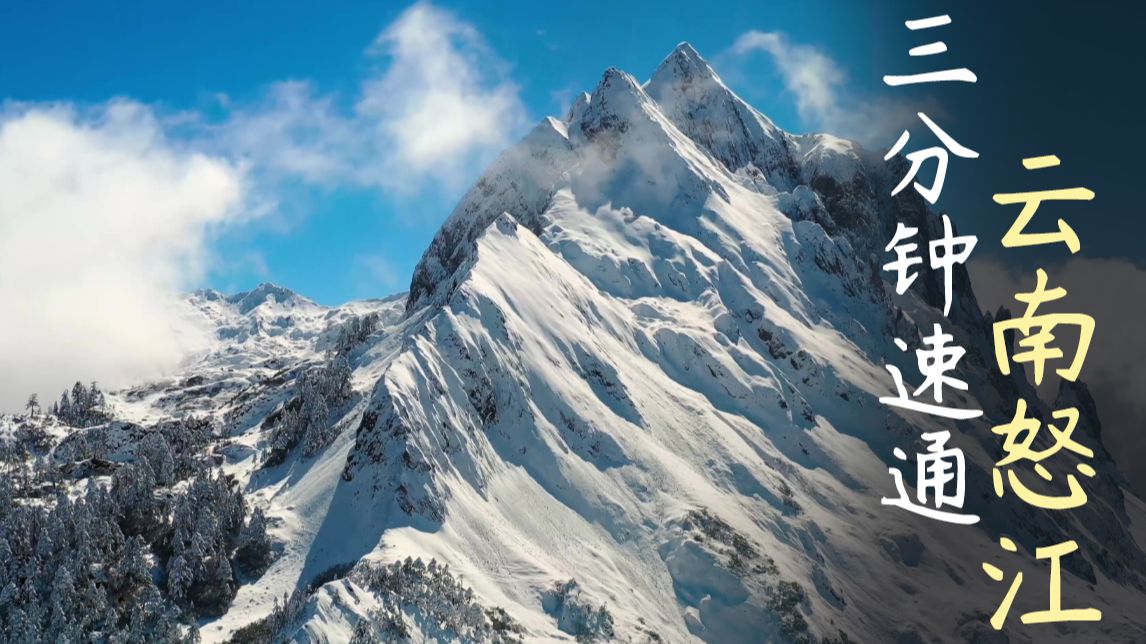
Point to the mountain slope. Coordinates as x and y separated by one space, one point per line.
652 334
632 395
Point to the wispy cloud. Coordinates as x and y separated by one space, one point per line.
811 76
375 273
825 99
444 97
436 105
292 131
107 212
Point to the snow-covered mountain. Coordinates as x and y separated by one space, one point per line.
632 395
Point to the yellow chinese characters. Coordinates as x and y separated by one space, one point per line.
1018 439
1031 201
1036 345
1054 612
1038 331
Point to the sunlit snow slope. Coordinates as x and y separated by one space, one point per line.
644 354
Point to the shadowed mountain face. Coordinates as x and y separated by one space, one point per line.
632 394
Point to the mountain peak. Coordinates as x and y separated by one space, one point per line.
264 292
616 101
616 80
577 108
692 96
684 64
653 325
685 48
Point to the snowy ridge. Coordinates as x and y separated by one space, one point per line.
694 98
632 396
257 334
638 337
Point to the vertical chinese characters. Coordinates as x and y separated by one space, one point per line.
1031 341
940 470
1037 344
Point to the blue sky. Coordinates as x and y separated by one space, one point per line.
195 66
149 148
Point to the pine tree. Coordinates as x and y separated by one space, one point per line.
33 405
180 576
155 450
316 418
61 623
338 372
95 397
133 574
64 408
254 552
79 402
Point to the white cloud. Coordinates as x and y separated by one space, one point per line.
824 100
293 131
812 76
441 98
436 106
1114 292
107 214
103 220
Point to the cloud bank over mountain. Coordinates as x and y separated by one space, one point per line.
103 223
108 212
